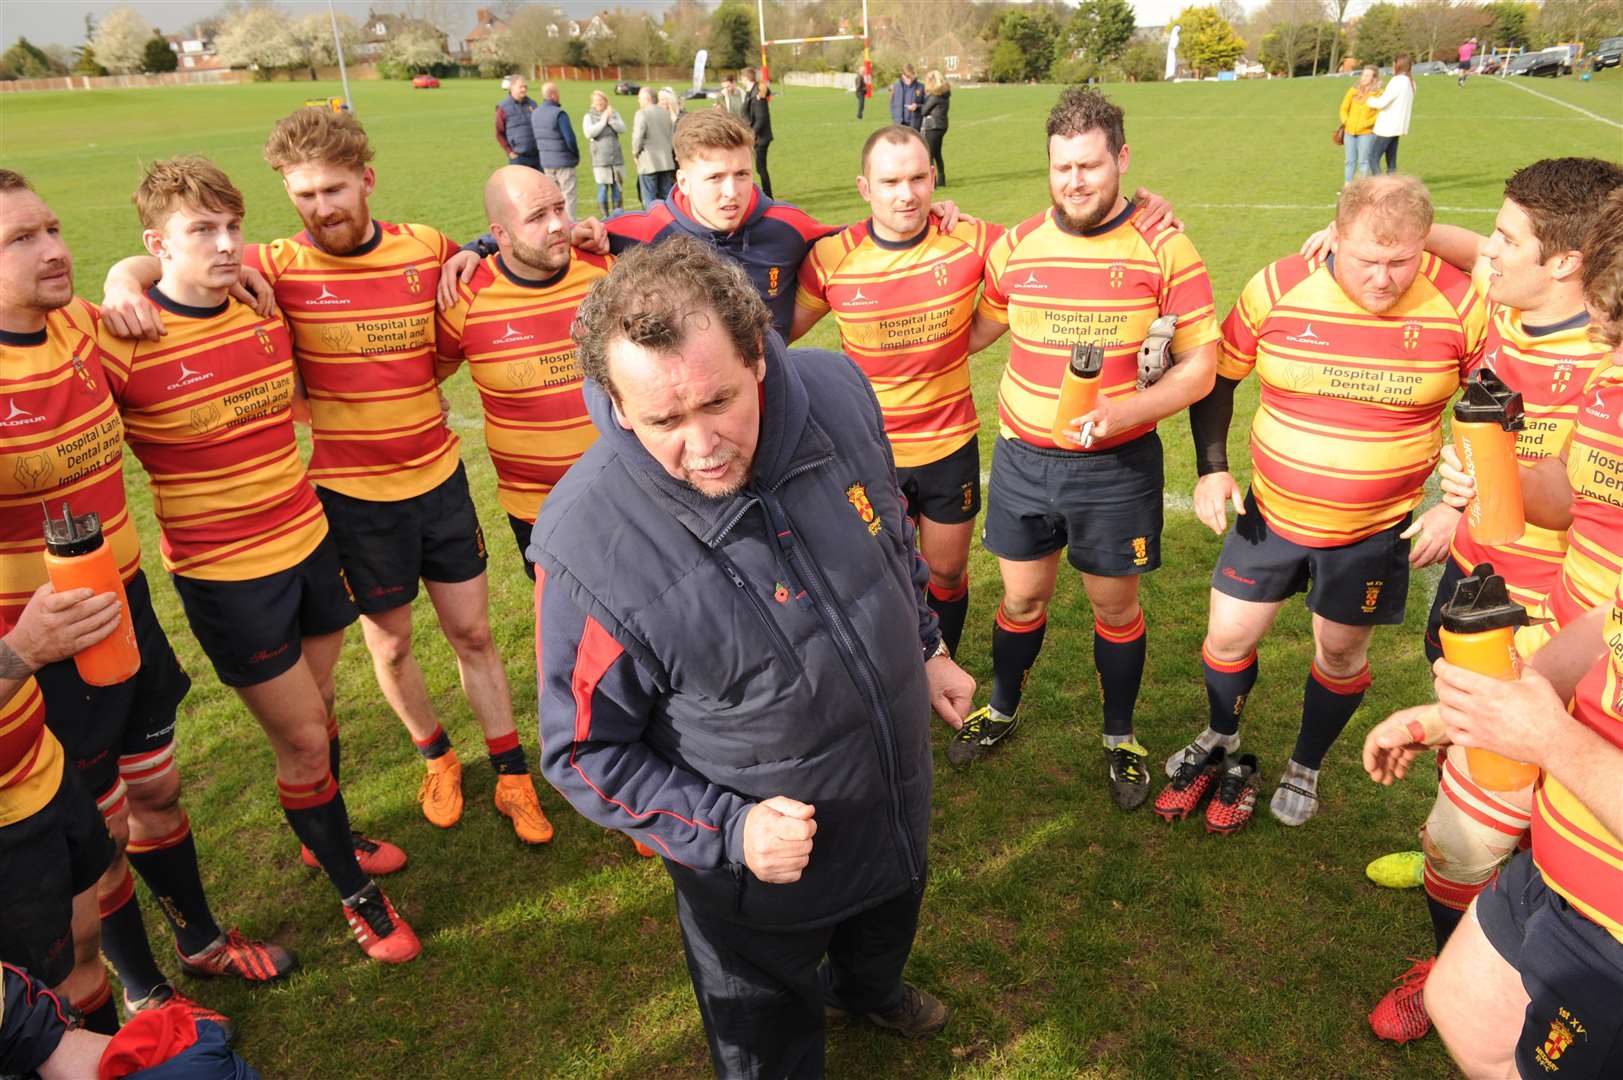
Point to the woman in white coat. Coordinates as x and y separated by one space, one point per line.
1393 107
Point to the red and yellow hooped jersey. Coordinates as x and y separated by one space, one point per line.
904 310
1549 367
363 336
30 757
1349 421
208 411
1056 289
61 440
514 334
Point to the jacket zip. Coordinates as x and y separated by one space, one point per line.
780 644
844 637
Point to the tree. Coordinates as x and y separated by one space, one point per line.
1208 42
1512 21
1101 29
258 38
1008 63
311 38
732 35
1144 61
638 41
25 60
1574 20
1035 32
1337 11
120 40
85 62
415 48
1380 35
158 56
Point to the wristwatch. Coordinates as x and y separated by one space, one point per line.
940 650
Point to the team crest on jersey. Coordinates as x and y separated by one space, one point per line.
1141 551
204 417
1372 596
857 496
940 273
1560 378
336 338
414 281
33 470
1118 274
772 276
86 380
1411 335
521 373
264 340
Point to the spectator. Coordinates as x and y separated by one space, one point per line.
758 115
555 143
652 133
937 98
731 97
671 104
513 129
1357 123
907 99
1395 103
862 93
603 128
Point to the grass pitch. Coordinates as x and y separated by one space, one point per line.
1070 939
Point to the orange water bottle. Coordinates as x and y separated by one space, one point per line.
1479 632
1486 419
77 556
1078 391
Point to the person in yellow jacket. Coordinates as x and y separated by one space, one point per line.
1358 122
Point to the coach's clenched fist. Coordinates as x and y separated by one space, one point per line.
778 839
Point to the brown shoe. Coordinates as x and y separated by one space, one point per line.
920 1014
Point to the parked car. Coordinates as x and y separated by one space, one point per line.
1549 62
1431 67
425 82
1608 52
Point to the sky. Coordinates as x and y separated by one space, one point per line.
61 22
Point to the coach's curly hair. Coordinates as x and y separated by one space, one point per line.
1603 271
317 136
659 293
1080 110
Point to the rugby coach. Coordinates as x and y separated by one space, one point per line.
736 658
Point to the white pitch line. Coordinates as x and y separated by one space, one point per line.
1566 104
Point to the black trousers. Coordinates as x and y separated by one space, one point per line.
764 177
762 993
932 139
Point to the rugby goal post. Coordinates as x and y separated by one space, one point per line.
843 35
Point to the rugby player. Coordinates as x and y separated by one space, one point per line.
1089 269
1470 830
1358 355
1530 271
54 845
903 294
358 294
253 561
61 444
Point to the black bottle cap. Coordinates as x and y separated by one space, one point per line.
1487 400
67 535
1481 602
1087 361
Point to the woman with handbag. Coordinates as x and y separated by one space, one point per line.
1357 124
937 100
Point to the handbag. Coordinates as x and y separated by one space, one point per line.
1339 136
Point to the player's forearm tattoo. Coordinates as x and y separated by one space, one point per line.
13 666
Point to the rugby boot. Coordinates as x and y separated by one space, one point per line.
1236 799
1194 782
441 790
382 933
233 954
516 800
1129 779
1400 1016
1399 870
983 729
375 857
166 996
